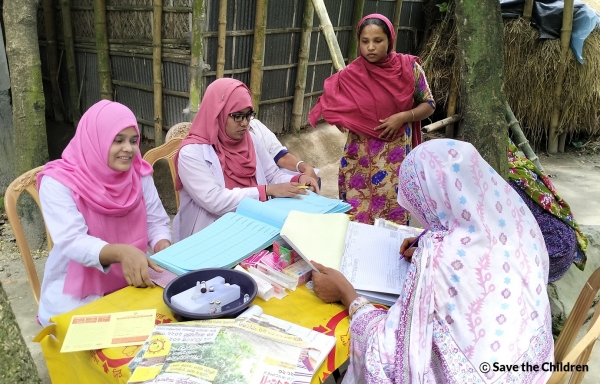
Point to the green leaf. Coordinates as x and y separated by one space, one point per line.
443 7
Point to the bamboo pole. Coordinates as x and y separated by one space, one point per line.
106 90
258 52
328 33
70 56
452 105
520 139
52 57
527 10
359 6
440 124
565 39
197 65
157 71
397 15
222 34
307 22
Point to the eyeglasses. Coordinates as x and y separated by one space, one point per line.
239 117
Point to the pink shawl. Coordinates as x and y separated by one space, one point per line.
237 157
106 198
476 289
363 93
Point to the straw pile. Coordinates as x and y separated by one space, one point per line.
531 68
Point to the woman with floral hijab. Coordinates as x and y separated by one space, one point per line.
565 242
475 292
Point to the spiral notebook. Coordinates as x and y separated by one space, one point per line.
368 256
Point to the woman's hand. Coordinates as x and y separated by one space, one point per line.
392 125
286 190
331 286
310 182
134 263
405 250
162 244
308 170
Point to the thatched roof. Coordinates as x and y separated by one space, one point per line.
530 69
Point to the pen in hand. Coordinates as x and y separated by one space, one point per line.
414 242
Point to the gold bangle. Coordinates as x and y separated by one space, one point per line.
413 115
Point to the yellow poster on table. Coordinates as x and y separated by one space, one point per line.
109 365
108 330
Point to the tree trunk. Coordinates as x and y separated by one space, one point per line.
16 363
480 52
7 132
28 105
26 80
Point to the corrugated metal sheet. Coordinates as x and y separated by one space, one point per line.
281 52
87 72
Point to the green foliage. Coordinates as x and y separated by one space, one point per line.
443 7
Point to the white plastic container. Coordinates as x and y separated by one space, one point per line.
221 292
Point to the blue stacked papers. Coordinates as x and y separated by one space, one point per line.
235 236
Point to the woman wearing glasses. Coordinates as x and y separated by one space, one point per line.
219 164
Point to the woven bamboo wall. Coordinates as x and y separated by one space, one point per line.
129 29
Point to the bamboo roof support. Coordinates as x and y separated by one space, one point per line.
527 10
197 65
520 139
222 34
52 57
307 22
565 39
328 33
106 91
70 56
258 52
359 6
397 15
440 124
157 71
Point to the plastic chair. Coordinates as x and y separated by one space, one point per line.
178 130
580 354
25 182
167 152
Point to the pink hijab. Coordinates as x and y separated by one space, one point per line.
109 200
237 157
84 169
361 94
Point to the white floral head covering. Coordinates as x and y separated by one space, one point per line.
476 291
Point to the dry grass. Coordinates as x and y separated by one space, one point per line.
531 70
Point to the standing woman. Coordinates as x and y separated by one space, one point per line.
380 98
102 210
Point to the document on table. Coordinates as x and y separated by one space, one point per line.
372 260
89 332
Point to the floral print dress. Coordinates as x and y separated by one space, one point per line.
368 175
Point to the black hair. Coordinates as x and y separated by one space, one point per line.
379 23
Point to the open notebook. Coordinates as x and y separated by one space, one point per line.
235 236
367 255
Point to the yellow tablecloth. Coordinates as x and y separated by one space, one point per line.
109 365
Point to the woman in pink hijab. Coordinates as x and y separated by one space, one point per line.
219 163
102 210
380 98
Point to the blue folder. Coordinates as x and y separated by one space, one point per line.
235 236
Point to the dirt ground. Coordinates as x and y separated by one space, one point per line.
576 175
